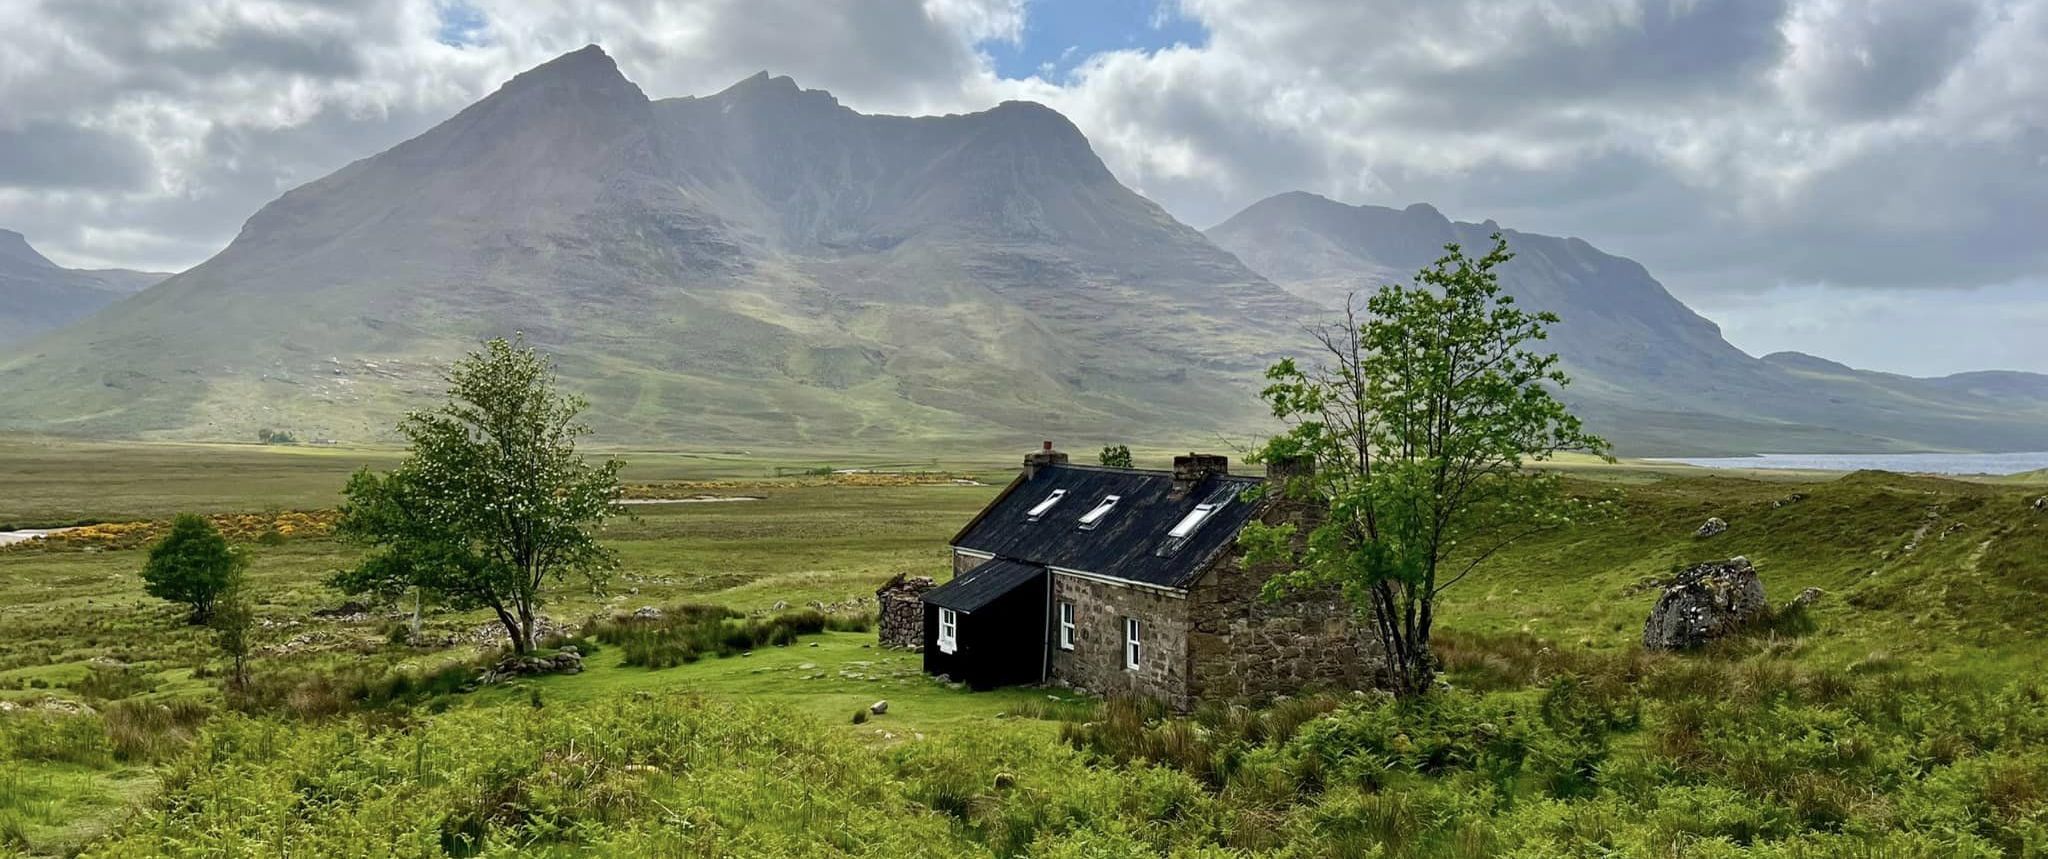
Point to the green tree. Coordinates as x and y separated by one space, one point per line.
1117 456
233 618
1419 423
494 504
193 564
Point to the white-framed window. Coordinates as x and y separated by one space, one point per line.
949 630
1094 517
1132 644
1190 522
1066 626
1047 504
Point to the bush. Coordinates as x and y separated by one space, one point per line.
686 633
192 564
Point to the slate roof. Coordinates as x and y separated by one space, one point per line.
983 585
1131 543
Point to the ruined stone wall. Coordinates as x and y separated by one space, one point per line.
1096 663
1243 648
901 623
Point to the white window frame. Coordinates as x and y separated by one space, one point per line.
1192 521
1067 626
949 630
1094 517
1134 644
1038 511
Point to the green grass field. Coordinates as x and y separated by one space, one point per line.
1932 594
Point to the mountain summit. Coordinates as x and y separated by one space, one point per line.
761 265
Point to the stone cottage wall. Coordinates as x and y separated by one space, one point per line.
1097 661
901 623
1244 648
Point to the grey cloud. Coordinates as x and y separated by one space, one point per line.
1658 50
48 155
1867 59
1730 146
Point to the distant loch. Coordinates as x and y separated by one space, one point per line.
1905 463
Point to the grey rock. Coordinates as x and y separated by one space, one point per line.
1705 602
1714 526
879 707
1807 597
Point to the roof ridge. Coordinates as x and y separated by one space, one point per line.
1149 472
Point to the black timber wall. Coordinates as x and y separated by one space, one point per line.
1000 644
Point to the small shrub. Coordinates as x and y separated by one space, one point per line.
113 682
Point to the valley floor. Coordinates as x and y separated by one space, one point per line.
1561 738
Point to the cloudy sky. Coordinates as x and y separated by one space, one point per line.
1861 179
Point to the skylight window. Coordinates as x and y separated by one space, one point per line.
1094 517
1190 522
1045 505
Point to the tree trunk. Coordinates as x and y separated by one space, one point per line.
512 631
526 627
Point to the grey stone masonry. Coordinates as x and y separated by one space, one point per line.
1097 662
1243 647
902 611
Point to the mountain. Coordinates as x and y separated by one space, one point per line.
758 266
1647 371
766 267
37 295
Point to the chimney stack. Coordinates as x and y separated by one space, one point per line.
1041 458
1189 471
1285 469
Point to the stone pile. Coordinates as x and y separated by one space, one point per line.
565 661
1704 602
902 611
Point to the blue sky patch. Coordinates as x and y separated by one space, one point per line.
1060 34
462 24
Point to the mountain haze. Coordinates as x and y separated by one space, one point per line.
1647 371
760 265
37 295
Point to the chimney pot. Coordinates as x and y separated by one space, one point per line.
1041 458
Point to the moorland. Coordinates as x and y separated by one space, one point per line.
1901 715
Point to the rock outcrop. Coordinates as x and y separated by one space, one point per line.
1705 602
1712 527
902 611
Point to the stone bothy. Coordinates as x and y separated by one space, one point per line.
1130 582
902 611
